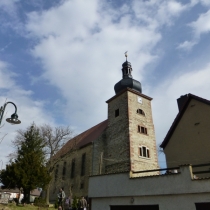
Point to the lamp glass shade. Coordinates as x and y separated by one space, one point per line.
13 119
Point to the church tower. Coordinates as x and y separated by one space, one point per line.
130 143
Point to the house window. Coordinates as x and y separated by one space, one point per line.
64 170
117 112
144 152
142 129
140 111
56 172
72 168
83 165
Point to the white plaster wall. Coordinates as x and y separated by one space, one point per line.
176 191
167 202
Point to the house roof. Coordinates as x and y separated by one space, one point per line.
189 97
83 139
34 192
16 190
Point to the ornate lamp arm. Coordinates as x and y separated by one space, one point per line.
14 117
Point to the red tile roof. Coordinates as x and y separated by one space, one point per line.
83 139
179 116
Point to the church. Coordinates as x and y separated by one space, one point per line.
125 142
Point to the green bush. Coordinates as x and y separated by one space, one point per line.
75 203
56 204
39 201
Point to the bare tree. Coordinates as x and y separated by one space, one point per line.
54 140
2 138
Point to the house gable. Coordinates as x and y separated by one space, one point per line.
188 138
182 110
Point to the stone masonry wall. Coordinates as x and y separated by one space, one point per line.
117 141
111 150
99 146
137 139
117 149
78 185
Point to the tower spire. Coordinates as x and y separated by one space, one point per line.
126 55
127 79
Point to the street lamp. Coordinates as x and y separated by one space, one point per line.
14 117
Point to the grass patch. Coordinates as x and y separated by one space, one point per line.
21 207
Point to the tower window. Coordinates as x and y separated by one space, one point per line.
142 129
144 152
117 112
140 111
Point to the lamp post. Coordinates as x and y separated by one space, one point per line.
14 117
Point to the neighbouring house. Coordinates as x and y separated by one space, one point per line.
34 194
187 141
10 194
125 142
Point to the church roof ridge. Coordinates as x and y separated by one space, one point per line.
83 138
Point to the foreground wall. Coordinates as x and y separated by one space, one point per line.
174 191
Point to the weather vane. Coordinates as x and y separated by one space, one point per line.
126 55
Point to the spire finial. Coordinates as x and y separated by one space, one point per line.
126 55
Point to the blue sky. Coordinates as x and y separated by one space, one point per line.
59 60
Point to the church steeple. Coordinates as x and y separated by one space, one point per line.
126 70
127 80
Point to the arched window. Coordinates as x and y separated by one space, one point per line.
140 111
144 152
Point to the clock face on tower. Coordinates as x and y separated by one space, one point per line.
139 99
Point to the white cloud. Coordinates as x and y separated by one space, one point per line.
157 13
64 19
186 45
201 25
81 48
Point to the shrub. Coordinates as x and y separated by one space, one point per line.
39 201
56 204
75 203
